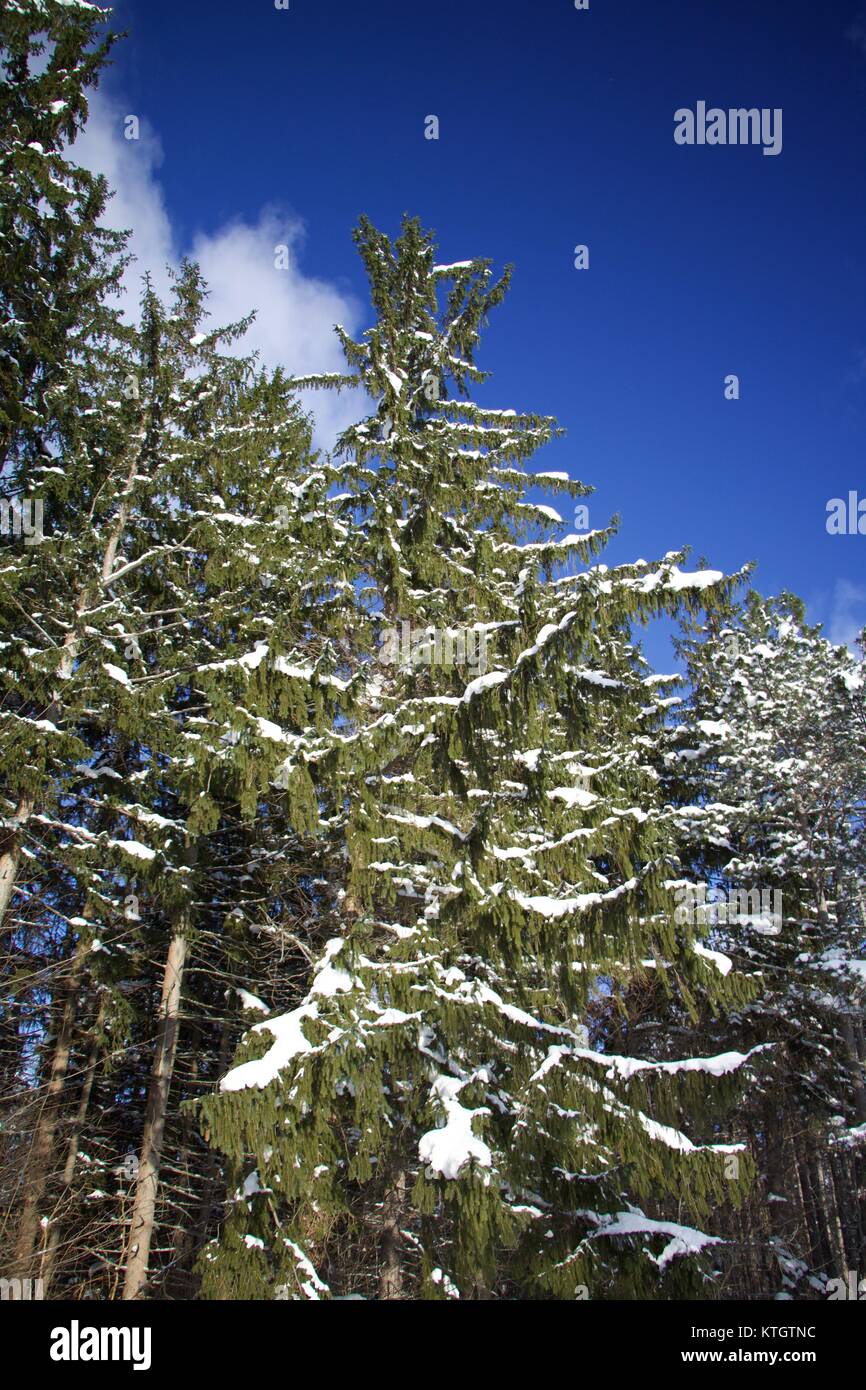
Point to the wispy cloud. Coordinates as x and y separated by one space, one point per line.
295 313
847 613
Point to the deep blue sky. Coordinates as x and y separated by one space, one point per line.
557 129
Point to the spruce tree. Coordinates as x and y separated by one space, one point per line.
766 765
58 267
433 1117
178 577
57 264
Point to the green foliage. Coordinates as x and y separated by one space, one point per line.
440 1059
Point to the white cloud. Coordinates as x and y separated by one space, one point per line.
295 318
847 613
295 313
130 166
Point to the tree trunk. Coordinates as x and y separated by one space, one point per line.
843 1172
391 1269
774 1173
10 853
817 1198
816 1252
213 1166
144 1205
39 1164
834 1225
50 1260
854 1067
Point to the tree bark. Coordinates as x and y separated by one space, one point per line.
391 1268
214 1166
144 1205
10 853
39 1163
50 1260
817 1199
817 1255
854 1067
835 1233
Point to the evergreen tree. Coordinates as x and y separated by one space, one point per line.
432 1116
58 267
767 767
57 264
180 581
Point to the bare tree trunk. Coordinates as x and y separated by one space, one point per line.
39 1163
391 1269
816 1253
10 853
844 1181
834 1225
144 1205
803 1243
186 1178
815 1187
774 1172
212 1167
50 1259
855 1067
749 1231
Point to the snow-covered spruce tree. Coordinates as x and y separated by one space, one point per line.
431 1117
244 608
176 580
768 768
57 268
56 261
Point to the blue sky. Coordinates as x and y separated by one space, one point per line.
556 128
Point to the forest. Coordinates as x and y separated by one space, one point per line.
375 921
